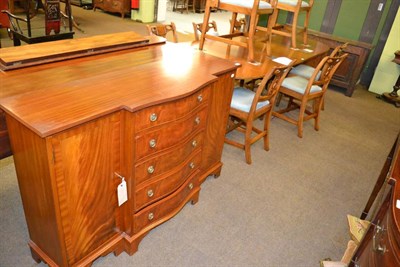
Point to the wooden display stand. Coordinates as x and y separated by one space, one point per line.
393 97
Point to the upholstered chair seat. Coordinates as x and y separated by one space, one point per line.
247 3
242 99
299 84
294 3
305 71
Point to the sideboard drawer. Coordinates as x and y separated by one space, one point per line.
160 164
167 207
153 191
169 112
150 142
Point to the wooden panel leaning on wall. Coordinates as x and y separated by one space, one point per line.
72 152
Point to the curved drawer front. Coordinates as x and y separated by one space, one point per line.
157 189
167 161
160 114
150 142
164 209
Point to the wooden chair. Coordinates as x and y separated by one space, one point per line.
239 25
307 71
183 5
301 91
248 105
251 8
295 7
211 29
162 30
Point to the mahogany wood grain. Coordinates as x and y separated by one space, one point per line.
73 94
82 125
36 185
85 160
17 57
217 120
166 184
170 135
280 47
163 162
160 211
171 111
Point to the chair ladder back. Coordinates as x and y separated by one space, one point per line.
272 81
329 69
162 30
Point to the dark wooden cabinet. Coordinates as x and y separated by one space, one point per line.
117 6
348 73
380 247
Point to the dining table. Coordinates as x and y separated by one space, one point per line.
281 51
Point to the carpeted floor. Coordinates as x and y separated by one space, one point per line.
286 209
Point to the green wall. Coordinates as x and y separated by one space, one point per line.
351 18
317 14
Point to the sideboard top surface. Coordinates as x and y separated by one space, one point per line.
22 56
52 97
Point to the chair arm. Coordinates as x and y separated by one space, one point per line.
14 21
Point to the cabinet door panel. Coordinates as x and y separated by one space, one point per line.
85 161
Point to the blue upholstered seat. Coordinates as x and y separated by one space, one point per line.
247 3
293 3
305 71
299 84
243 98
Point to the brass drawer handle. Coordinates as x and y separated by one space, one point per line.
191 165
197 120
378 232
153 143
150 193
194 143
150 169
153 117
199 98
190 186
150 216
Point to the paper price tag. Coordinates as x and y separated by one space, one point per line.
122 193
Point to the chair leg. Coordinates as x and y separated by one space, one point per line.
247 142
267 120
233 19
252 30
294 29
301 119
278 99
204 26
306 21
317 108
